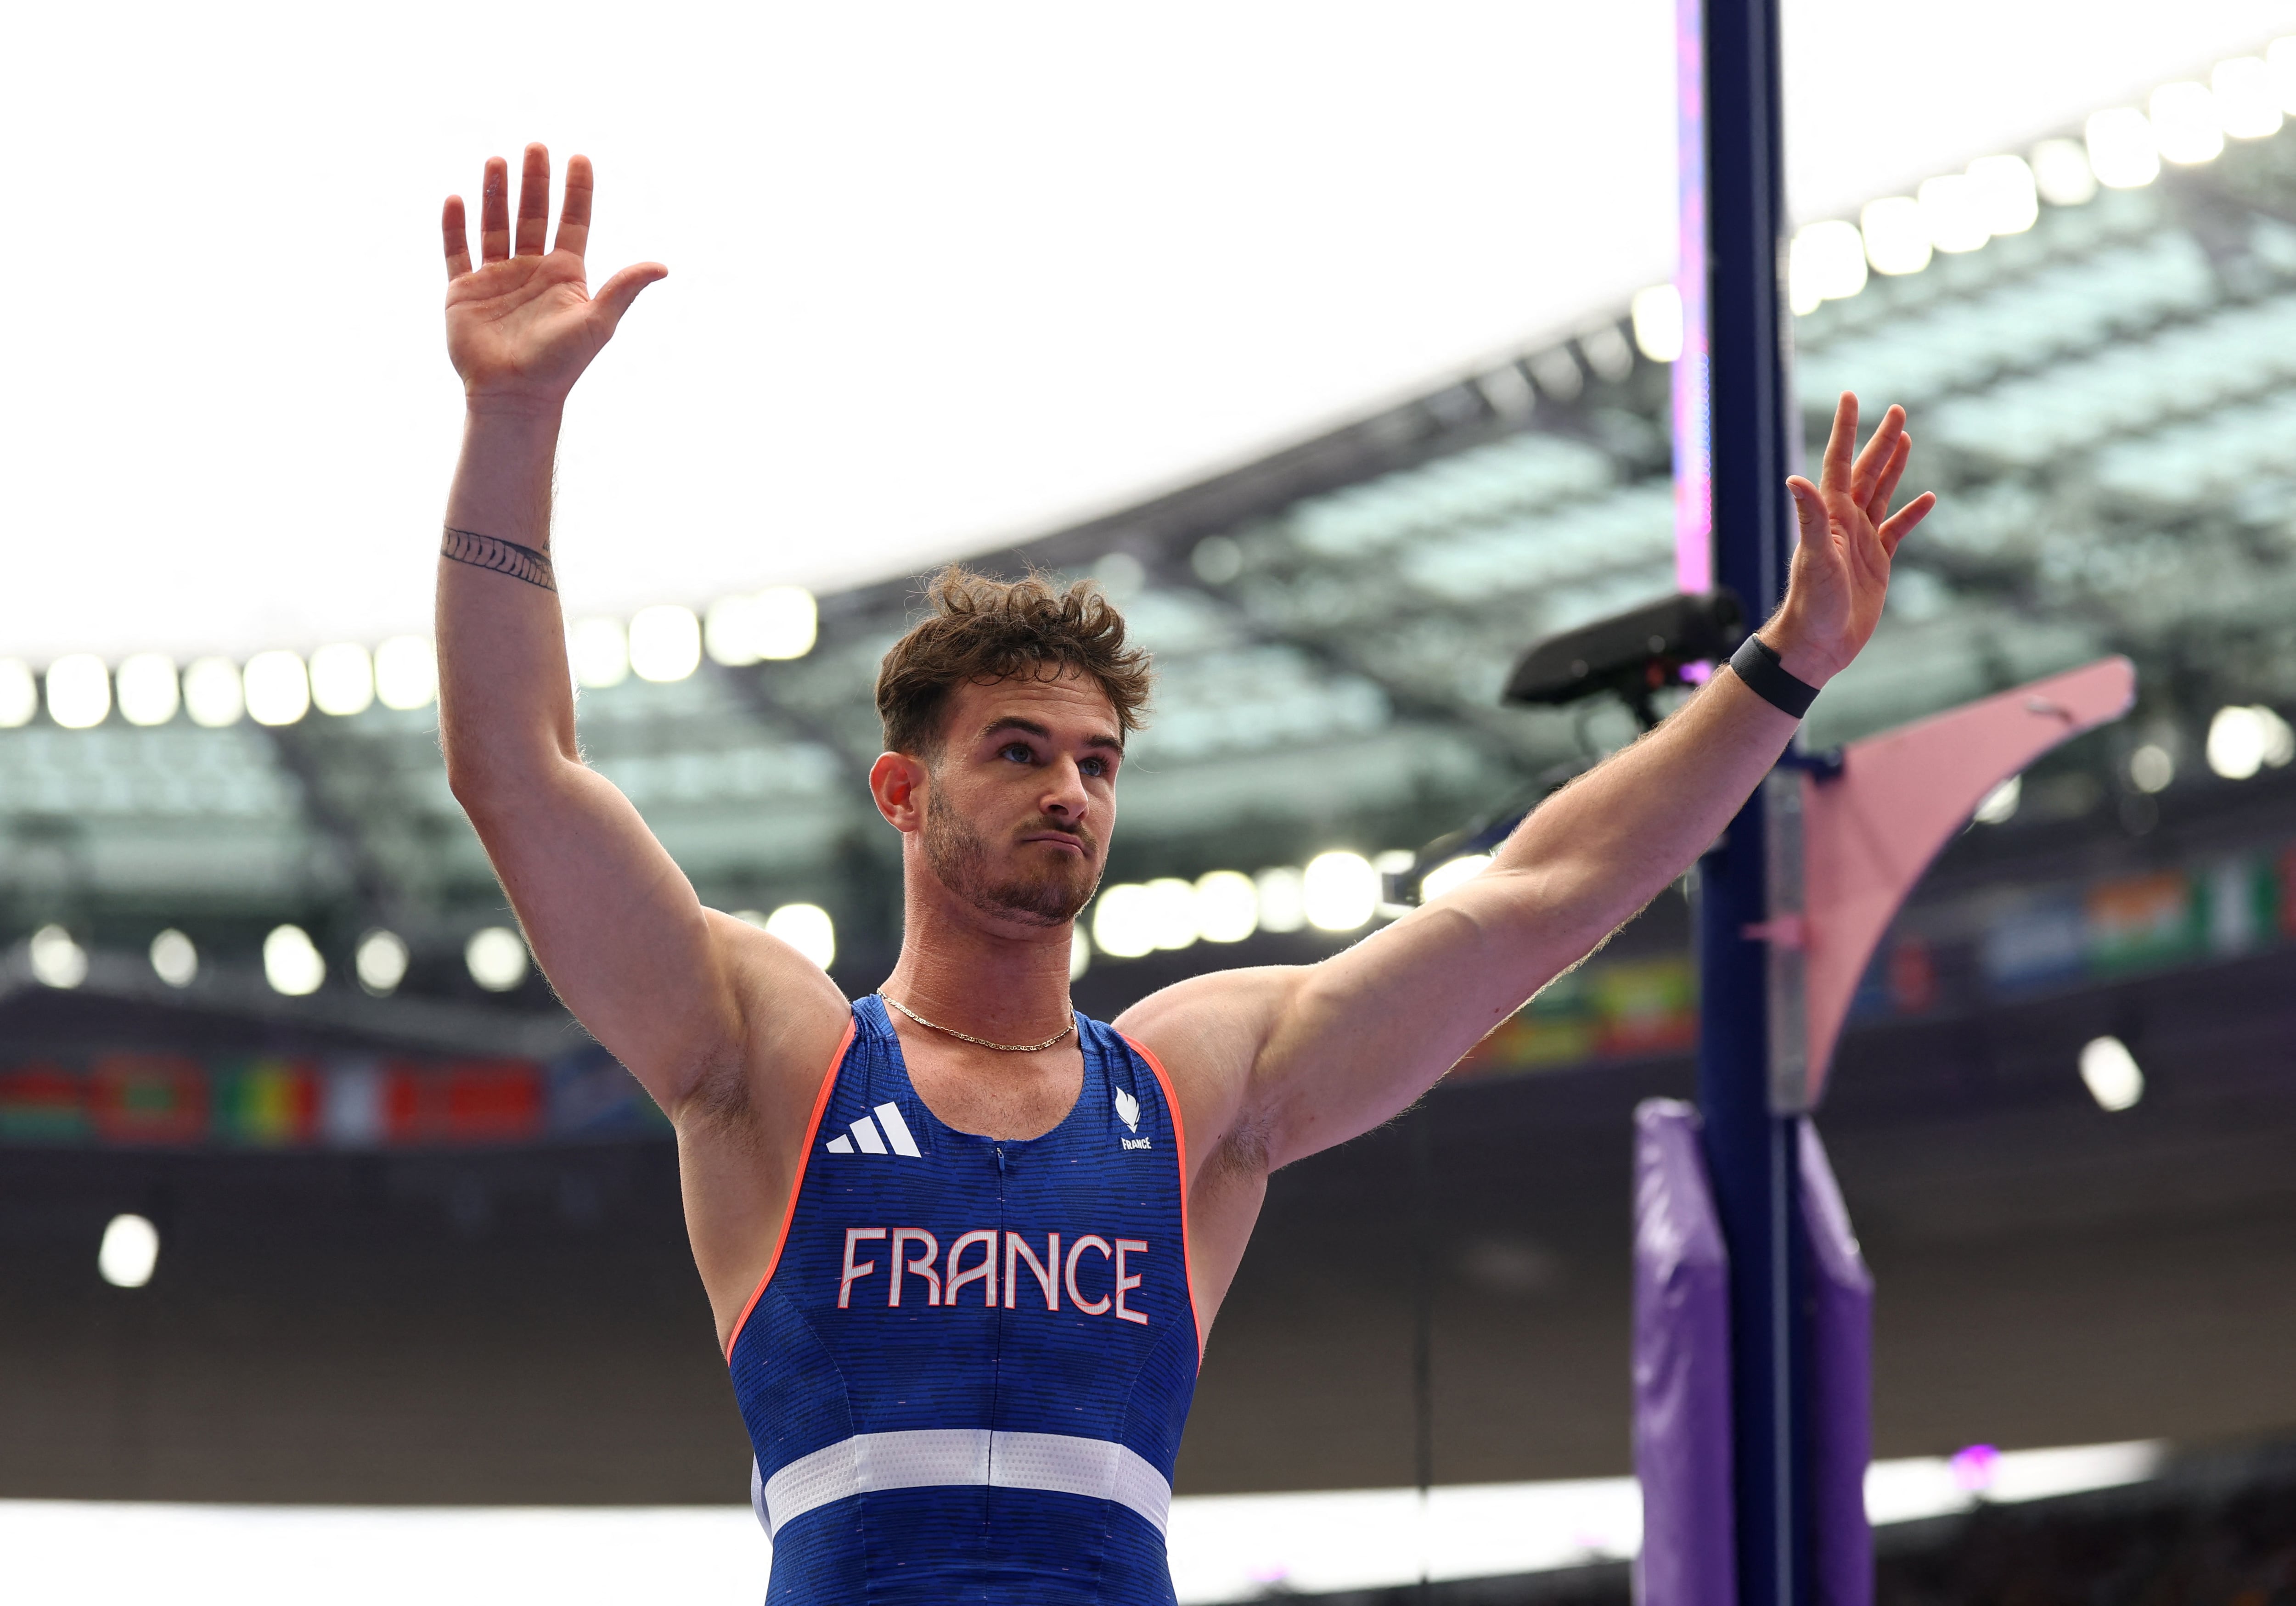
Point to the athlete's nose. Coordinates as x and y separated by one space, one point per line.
1065 797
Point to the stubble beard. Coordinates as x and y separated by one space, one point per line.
959 857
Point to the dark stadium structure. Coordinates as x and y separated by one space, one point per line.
408 1312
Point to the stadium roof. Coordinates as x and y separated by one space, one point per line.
2102 399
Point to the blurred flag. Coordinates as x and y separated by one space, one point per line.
148 1099
42 1104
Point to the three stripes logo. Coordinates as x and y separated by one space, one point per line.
864 1138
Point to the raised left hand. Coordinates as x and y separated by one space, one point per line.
1841 569
522 326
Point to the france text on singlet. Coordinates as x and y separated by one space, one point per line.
966 1371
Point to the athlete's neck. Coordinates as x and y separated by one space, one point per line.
992 976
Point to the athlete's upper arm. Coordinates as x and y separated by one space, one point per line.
676 993
1284 1063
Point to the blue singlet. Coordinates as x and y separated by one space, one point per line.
966 1368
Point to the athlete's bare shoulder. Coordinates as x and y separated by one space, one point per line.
792 1020
1208 1032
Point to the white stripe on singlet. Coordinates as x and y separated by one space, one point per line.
941 1457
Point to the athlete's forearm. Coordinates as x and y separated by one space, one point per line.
1604 846
506 702
1347 1044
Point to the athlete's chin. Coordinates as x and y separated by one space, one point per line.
1053 897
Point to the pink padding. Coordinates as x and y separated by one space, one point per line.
1869 832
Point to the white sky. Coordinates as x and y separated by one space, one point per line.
941 277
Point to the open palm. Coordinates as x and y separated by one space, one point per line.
1840 571
522 326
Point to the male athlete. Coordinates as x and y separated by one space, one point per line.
962 1244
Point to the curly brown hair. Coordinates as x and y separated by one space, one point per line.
982 630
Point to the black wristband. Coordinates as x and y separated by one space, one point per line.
1758 667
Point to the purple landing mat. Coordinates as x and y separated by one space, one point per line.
1841 1388
1682 1368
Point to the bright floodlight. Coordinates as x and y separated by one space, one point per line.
1954 213
405 672
1896 234
728 633
2246 99
1119 575
20 693
495 956
1826 263
129 1253
173 959
1450 873
2000 804
665 642
2186 125
1801 298
1340 891
278 690
381 961
57 961
1172 913
2236 743
212 693
2111 1073
79 690
779 622
146 687
1283 900
1079 951
1227 906
787 622
2004 194
599 651
1123 926
1217 559
1657 314
2151 769
2279 738
807 928
2121 150
2061 173
291 961
342 679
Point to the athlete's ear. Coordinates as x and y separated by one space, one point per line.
897 781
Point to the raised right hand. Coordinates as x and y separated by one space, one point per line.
521 327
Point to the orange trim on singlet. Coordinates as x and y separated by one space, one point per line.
1180 1132
812 1130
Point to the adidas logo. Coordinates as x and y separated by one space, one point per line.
1127 1111
863 1136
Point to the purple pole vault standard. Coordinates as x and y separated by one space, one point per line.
1682 1368
1841 1292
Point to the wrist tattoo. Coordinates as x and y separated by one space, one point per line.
504 557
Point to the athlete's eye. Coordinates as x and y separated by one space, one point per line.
1094 766
1020 752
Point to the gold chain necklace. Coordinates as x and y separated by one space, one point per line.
1007 1048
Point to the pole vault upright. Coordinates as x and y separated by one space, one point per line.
1734 449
